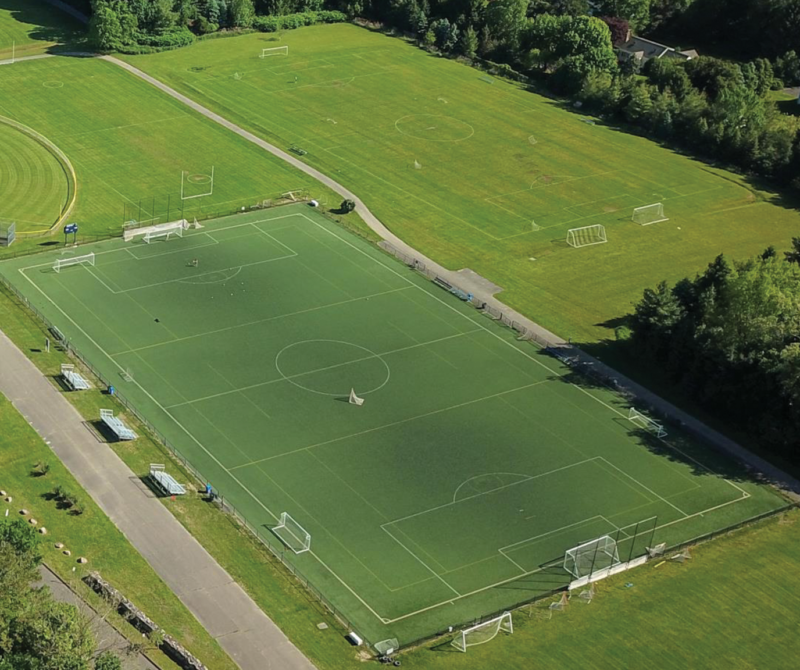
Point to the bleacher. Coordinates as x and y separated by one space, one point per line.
73 379
116 426
164 481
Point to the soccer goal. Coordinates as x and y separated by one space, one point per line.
590 556
354 399
645 421
586 236
86 259
275 51
150 233
292 534
648 214
484 632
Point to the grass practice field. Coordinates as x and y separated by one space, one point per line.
128 143
483 174
451 492
29 27
34 186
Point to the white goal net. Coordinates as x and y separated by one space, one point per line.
591 556
483 632
648 214
161 230
86 259
275 51
586 236
292 534
646 422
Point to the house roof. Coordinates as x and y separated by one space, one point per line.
644 49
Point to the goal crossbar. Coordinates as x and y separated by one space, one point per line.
645 421
483 632
649 214
85 259
275 51
159 230
590 556
292 534
586 236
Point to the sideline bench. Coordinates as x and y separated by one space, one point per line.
164 481
75 380
116 425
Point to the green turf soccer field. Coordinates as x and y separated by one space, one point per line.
454 491
483 174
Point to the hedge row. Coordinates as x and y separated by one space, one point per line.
271 24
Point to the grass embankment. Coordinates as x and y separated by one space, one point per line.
484 174
134 162
90 534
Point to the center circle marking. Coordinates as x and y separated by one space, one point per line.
434 127
298 379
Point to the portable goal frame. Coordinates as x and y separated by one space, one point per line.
275 51
483 632
649 214
87 259
586 236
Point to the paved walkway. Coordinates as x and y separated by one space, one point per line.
249 637
483 292
108 638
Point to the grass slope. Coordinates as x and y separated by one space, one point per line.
493 159
129 144
35 26
91 535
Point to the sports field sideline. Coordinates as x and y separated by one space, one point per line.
451 492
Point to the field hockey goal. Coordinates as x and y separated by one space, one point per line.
586 558
483 632
586 236
649 214
275 51
292 534
86 259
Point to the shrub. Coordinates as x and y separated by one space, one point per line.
272 24
347 206
40 469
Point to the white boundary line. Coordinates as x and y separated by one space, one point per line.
229 472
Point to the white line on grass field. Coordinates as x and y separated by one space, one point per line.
229 471
427 567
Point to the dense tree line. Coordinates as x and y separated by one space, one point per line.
714 108
730 338
37 632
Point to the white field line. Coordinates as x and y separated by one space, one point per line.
430 569
275 517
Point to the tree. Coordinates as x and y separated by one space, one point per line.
347 206
22 537
787 67
636 12
655 318
793 256
468 45
105 29
446 34
108 661
242 13
620 29
505 19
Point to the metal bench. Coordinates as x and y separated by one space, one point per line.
73 379
164 481
116 425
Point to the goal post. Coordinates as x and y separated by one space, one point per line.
586 236
590 556
483 632
275 51
646 422
86 259
649 214
154 232
292 534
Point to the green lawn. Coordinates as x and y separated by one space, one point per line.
446 495
31 27
129 145
94 536
483 174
